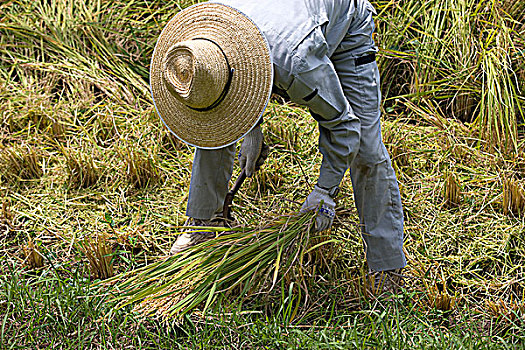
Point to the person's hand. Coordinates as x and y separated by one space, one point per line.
321 201
253 151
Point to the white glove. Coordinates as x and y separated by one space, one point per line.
251 150
321 201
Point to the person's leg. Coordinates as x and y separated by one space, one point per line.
375 185
211 172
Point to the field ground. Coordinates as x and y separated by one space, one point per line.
465 259
86 168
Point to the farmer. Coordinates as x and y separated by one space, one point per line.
212 74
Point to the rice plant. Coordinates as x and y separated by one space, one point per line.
452 190
22 162
32 257
431 52
440 299
140 168
505 310
81 167
7 215
100 256
513 197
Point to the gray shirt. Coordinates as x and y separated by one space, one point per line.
303 35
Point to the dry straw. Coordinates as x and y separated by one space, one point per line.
140 167
81 167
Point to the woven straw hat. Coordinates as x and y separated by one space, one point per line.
211 75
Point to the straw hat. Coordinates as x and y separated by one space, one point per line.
211 75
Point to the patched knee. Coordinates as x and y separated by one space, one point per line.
368 157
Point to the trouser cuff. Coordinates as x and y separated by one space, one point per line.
397 262
201 213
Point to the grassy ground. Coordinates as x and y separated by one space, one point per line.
86 168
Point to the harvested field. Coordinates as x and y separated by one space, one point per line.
92 185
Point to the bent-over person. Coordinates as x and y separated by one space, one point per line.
213 70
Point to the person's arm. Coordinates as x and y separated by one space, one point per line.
253 150
339 132
339 129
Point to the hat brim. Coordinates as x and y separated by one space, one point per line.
248 54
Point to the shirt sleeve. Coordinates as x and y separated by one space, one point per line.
320 90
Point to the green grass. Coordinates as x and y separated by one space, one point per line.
58 308
83 156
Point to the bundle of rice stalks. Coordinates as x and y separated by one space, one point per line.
506 310
513 197
81 167
140 167
21 162
99 255
32 258
451 190
7 215
438 297
238 263
498 109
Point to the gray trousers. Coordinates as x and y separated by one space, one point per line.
376 192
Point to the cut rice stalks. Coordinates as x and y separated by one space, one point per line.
239 262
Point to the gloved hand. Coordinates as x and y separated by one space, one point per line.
325 211
253 151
